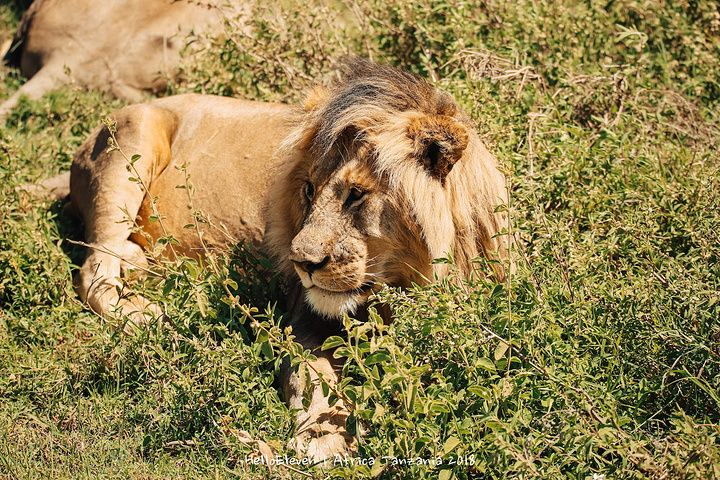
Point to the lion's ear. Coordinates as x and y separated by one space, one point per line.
438 143
313 99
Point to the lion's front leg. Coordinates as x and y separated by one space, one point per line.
320 431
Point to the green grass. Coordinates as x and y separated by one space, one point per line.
601 357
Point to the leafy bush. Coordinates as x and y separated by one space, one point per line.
600 356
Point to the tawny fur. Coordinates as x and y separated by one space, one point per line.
390 109
128 48
363 185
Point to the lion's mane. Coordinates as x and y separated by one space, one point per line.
453 214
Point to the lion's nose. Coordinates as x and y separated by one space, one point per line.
311 266
309 251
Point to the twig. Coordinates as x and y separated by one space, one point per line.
283 344
564 267
113 145
546 374
180 443
104 249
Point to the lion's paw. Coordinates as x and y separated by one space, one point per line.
323 436
135 314
323 448
326 447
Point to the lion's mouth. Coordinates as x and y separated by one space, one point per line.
361 290
334 304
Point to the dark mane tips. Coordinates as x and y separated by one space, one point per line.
367 93
396 88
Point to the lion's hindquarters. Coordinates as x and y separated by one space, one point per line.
107 188
218 151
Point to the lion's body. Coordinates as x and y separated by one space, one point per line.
372 180
225 148
128 48
228 147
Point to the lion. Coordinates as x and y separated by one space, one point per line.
128 48
362 185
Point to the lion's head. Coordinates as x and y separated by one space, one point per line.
385 173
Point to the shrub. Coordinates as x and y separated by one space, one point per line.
599 357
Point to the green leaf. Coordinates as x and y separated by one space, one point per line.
333 342
351 423
350 392
500 350
486 364
262 336
343 352
410 397
377 469
450 444
377 357
437 406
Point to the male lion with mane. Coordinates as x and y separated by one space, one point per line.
363 185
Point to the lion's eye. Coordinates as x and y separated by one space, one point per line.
309 191
355 197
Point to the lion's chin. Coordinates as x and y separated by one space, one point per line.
334 304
